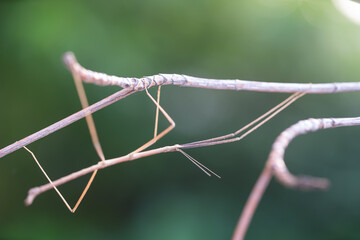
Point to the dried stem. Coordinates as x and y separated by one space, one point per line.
275 166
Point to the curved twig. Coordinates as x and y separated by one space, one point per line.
275 166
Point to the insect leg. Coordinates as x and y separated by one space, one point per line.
57 190
164 132
89 119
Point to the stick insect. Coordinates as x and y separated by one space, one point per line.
81 74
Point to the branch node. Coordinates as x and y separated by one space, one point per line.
32 194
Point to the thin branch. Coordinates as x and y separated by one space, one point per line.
252 203
275 166
132 85
66 121
139 84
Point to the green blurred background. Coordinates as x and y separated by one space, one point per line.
165 196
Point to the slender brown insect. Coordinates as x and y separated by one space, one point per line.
81 74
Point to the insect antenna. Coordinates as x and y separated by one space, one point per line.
203 168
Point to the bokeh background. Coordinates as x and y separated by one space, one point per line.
166 196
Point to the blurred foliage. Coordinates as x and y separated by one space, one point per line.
165 196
